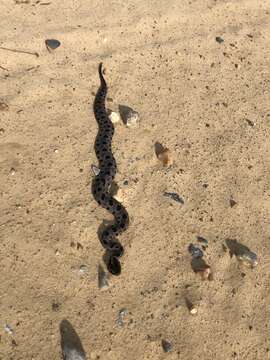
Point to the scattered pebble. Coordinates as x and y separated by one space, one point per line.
13 343
129 116
3 106
191 308
52 44
103 282
242 253
55 306
114 117
248 258
219 40
12 171
2 130
132 119
56 151
165 157
95 170
120 319
232 203
8 329
195 251
250 123
83 269
174 196
166 346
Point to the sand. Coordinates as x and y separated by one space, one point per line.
208 102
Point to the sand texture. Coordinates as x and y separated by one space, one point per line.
207 101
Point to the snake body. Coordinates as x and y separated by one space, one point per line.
102 182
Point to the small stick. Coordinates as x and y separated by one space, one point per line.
3 68
20 51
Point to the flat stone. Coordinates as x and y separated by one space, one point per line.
166 346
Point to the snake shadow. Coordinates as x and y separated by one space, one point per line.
71 345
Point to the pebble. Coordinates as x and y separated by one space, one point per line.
174 196
219 40
83 269
95 170
133 119
250 123
165 157
232 203
8 329
103 282
129 116
242 253
55 306
121 314
195 251
166 346
114 117
191 308
3 106
12 171
248 258
52 44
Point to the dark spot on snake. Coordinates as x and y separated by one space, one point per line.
118 207
111 202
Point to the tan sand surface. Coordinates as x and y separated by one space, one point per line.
208 102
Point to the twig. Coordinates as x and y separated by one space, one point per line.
3 68
20 51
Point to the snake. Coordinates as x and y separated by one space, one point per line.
102 182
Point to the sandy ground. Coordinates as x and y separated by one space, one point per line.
208 102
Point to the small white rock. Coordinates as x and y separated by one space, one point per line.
8 329
12 171
114 117
132 119
95 169
83 269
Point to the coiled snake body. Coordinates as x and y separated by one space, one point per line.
102 182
